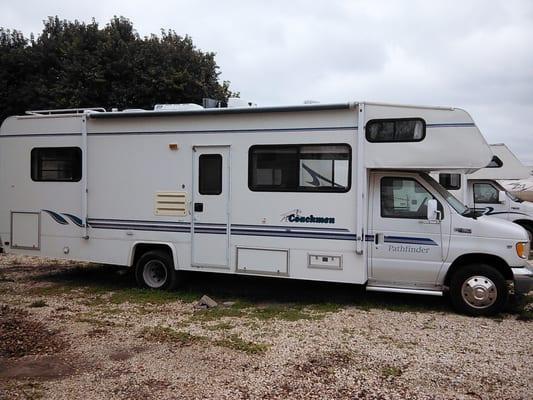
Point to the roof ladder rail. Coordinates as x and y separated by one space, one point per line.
65 111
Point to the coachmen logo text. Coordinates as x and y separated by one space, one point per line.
296 216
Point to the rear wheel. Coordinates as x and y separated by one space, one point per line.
478 289
155 270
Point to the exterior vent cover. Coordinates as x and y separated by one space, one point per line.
171 203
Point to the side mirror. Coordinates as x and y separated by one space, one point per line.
432 210
502 197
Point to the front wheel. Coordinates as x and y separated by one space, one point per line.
478 289
155 270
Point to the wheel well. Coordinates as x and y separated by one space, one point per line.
142 248
477 258
524 223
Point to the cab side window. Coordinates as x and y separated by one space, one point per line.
485 193
404 198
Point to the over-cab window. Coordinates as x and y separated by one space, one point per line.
404 198
495 162
395 130
450 181
56 164
485 193
210 174
300 168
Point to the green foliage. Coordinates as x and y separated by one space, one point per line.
74 64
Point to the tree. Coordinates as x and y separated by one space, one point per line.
74 64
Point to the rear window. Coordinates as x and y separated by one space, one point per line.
395 130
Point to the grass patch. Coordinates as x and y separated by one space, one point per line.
54 290
222 326
165 334
282 312
38 303
234 342
391 371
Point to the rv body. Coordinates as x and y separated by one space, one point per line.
333 192
483 190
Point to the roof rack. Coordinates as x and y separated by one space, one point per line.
65 111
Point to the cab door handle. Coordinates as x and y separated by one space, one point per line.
378 237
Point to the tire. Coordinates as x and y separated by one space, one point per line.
155 270
478 290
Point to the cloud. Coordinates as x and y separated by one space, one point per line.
470 54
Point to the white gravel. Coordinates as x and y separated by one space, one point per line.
348 353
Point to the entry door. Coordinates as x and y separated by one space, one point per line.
405 248
210 222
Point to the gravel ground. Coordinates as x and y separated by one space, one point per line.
73 330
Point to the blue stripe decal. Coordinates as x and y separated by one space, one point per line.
290 228
281 130
56 217
452 125
133 221
410 240
78 221
300 235
369 238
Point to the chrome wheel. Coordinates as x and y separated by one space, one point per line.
155 274
479 292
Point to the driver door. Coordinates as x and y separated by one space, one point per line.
406 249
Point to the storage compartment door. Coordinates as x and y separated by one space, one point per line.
25 230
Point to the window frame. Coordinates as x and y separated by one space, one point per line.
484 202
408 178
298 189
379 120
34 156
497 160
220 177
450 187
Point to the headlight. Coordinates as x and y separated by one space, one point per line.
522 249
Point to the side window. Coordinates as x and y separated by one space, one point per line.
450 181
56 164
299 168
485 193
495 162
404 198
396 130
210 174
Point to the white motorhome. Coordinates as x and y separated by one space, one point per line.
481 190
327 192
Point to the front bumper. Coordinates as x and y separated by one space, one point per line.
523 280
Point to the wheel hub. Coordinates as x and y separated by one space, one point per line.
479 292
155 274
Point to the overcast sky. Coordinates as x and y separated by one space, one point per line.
477 55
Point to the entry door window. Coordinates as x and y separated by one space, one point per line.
403 198
485 193
210 174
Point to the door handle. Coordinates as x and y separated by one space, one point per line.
198 207
378 237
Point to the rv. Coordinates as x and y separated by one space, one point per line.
481 190
324 192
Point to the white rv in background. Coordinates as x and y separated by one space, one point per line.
481 190
326 192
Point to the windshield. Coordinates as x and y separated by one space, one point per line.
450 198
513 197
509 194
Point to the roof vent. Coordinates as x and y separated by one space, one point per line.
177 107
235 102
